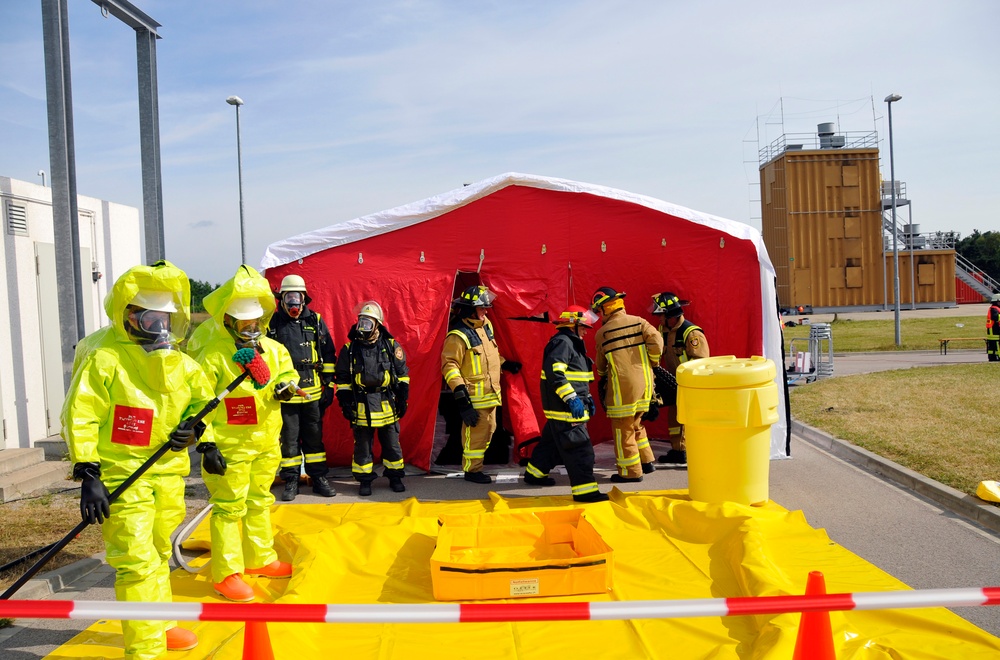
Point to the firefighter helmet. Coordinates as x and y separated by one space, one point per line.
476 296
577 315
603 296
371 309
668 304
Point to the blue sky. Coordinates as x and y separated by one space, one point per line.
355 107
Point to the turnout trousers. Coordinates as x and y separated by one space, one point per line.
302 438
631 445
567 443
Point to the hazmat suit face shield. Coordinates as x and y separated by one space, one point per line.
243 321
155 321
293 303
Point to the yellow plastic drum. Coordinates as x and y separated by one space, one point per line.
727 405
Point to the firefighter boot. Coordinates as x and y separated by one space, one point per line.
478 478
396 484
322 487
181 639
648 467
365 489
291 490
532 480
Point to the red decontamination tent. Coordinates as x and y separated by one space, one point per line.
541 244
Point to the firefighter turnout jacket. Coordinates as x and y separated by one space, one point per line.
309 343
373 371
685 342
627 348
471 357
566 371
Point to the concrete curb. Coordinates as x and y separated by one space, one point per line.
967 506
59 579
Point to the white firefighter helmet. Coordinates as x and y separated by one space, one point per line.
160 301
244 309
293 283
373 310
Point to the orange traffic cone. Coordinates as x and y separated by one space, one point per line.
815 638
256 642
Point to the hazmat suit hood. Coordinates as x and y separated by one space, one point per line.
246 283
159 367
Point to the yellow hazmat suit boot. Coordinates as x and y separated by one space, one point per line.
276 569
234 588
181 639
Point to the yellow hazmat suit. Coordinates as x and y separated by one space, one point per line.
121 407
246 430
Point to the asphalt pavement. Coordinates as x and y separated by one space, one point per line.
922 532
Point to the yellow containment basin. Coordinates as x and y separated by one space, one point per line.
727 405
519 555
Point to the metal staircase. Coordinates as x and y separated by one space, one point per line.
967 271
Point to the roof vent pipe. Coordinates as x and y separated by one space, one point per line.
825 132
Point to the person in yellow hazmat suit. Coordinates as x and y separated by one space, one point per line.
246 429
131 392
627 348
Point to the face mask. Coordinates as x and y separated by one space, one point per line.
151 329
366 325
292 303
246 332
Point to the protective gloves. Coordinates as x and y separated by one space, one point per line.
470 416
576 407
345 397
591 406
511 366
212 460
402 398
326 399
602 391
284 391
653 412
95 500
186 434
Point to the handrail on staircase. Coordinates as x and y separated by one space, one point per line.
976 272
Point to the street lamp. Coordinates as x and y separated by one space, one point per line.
41 173
889 100
237 101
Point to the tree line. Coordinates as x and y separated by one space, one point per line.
982 249
199 290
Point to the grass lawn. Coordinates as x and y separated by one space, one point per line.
938 421
919 334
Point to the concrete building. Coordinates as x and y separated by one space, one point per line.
31 377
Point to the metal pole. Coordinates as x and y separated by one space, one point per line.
239 159
895 232
913 265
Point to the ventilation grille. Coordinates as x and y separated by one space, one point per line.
16 218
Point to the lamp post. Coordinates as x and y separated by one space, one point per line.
889 100
237 101
41 173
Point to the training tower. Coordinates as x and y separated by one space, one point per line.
827 223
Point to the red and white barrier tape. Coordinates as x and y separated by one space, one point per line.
498 612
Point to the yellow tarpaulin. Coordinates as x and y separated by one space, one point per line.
665 547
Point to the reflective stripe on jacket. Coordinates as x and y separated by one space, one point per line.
566 372
627 347
373 372
471 357
309 343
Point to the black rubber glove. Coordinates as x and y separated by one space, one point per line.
591 406
470 416
212 460
666 386
602 391
284 391
345 397
186 434
95 500
511 366
326 399
653 412
402 398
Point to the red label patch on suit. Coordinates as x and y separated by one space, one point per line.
132 426
241 411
